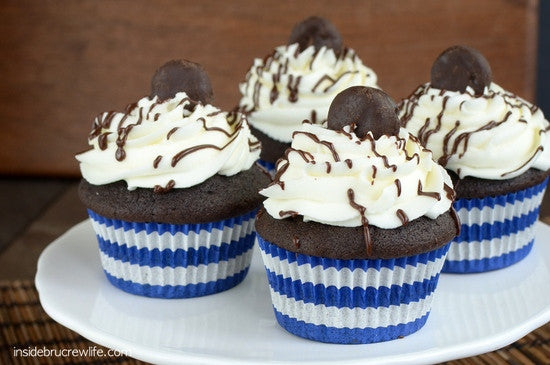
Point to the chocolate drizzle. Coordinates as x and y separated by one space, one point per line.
397 183
120 154
158 189
449 192
424 133
278 174
313 117
105 120
213 114
402 216
254 146
431 194
217 129
180 155
327 144
172 131
274 94
292 86
455 143
364 222
296 241
256 95
293 81
102 140
288 213
156 162
443 160
306 156
539 149
101 121
331 81
123 133
151 108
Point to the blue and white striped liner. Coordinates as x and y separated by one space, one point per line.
175 260
495 231
351 301
269 166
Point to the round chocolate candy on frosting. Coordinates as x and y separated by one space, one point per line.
368 108
459 67
318 32
182 75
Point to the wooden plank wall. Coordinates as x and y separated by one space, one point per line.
65 61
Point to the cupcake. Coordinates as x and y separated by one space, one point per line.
298 81
495 146
356 225
171 189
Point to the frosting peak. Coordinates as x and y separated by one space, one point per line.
289 86
175 143
496 135
337 178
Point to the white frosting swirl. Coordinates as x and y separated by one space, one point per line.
288 86
165 144
329 176
494 136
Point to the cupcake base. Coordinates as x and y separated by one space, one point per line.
175 260
496 232
351 301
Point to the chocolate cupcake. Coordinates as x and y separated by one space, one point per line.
496 147
298 81
171 188
356 225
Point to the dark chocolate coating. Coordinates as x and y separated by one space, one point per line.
272 149
370 109
182 75
318 32
420 235
461 66
219 197
472 187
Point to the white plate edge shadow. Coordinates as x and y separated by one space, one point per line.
461 350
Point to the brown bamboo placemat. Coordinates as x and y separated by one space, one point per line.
24 325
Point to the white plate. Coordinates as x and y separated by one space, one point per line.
471 314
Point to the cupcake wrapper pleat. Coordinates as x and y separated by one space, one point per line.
351 301
495 231
175 261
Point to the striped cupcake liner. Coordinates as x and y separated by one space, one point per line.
351 301
269 166
175 260
495 232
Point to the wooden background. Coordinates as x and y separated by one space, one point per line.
65 61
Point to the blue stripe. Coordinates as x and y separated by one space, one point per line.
338 264
162 228
179 257
501 200
178 291
269 166
487 231
356 297
487 264
346 335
